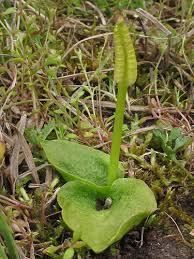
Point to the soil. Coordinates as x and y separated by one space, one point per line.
156 245
161 242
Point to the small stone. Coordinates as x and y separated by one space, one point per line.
108 203
192 232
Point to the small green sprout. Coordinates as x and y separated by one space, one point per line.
172 142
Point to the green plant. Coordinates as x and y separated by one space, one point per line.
171 142
95 178
78 162
125 61
122 4
10 246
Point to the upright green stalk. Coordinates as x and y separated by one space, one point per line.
117 133
125 75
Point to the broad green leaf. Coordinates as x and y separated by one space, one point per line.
125 58
78 162
132 202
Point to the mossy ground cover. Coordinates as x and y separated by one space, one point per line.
56 82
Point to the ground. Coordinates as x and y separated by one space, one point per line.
57 82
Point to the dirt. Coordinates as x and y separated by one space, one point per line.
160 242
156 245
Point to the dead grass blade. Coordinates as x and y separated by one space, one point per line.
14 160
28 157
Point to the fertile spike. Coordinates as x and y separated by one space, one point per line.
125 58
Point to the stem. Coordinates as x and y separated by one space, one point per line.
117 132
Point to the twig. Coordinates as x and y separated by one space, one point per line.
160 26
12 86
142 235
18 204
28 157
86 39
137 108
176 226
23 175
53 197
82 74
98 11
15 154
34 11
153 20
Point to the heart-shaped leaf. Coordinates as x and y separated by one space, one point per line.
78 162
132 201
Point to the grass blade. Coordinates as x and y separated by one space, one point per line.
6 233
